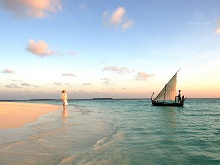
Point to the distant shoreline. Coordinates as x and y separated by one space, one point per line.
27 100
17 100
107 98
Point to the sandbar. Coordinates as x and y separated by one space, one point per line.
17 114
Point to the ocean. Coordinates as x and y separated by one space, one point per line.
117 132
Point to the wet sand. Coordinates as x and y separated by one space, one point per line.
17 114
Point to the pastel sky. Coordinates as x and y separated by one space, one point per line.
108 48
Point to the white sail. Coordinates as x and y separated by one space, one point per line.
169 91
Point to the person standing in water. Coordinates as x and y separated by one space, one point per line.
64 99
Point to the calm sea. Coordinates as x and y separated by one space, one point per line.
118 132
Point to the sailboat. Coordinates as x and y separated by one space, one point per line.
167 96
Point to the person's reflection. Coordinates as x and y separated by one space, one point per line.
64 115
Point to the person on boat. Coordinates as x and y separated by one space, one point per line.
179 96
64 99
183 98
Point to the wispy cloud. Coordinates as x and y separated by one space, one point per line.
12 85
57 83
40 48
25 84
69 74
106 81
87 84
31 8
117 18
20 84
143 76
17 80
8 86
7 71
125 89
127 24
120 70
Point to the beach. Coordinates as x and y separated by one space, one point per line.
17 114
50 136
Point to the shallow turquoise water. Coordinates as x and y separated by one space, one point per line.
118 132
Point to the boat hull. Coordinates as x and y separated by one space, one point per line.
167 104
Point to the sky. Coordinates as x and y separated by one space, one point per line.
108 48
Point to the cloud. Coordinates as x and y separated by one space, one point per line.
7 71
8 86
218 31
127 24
120 70
32 8
17 80
25 84
20 85
117 18
40 48
106 81
57 83
68 74
105 15
143 76
13 86
125 89
218 27
87 84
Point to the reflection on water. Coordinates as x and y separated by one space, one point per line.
64 115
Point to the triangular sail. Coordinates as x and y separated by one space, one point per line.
169 91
